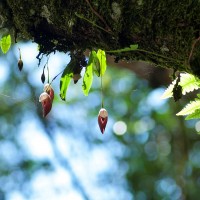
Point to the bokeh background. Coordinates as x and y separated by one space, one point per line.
147 152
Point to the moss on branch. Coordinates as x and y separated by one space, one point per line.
166 29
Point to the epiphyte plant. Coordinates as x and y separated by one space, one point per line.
96 65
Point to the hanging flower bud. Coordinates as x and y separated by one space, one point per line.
20 64
76 77
102 119
49 90
46 103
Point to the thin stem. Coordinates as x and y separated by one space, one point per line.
47 68
145 51
102 92
48 73
56 77
98 15
91 22
20 57
192 50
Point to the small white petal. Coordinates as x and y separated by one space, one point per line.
47 87
103 113
43 97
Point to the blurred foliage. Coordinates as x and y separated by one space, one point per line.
157 158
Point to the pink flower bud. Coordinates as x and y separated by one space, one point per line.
46 101
49 90
102 119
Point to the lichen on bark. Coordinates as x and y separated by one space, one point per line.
164 30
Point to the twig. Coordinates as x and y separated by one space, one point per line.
99 16
192 50
91 22
56 77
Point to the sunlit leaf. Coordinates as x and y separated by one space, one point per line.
194 115
102 60
169 91
88 77
188 82
65 81
5 43
190 108
95 61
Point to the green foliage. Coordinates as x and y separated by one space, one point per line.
190 108
169 91
65 80
5 43
96 63
194 115
88 76
101 55
132 47
188 82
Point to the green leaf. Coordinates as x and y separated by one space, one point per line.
132 47
190 108
65 80
5 43
88 76
95 61
169 91
194 115
198 95
188 82
102 60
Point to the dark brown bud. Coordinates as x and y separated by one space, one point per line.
20 64
43 77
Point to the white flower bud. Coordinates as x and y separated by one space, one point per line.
43 97
103 113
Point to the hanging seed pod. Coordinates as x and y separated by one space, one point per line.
49 90
102 119
43 77
20 64
46 103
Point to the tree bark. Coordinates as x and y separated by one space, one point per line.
167 32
